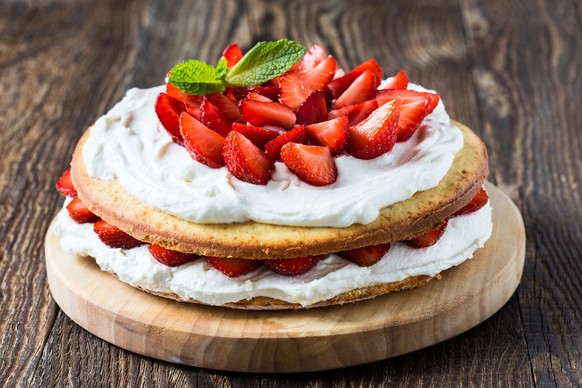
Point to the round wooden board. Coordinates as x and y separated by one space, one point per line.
293 341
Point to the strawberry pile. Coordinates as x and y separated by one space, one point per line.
304 117
234 267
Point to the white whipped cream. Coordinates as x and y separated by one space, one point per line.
331 276
130 144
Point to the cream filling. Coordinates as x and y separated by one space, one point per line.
330 277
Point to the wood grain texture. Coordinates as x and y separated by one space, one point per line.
509 69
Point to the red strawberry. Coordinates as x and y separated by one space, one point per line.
312 164
193 100
356 112
233 267
257 97
362 89
203 144
430 238
169 257
313 110
168 110
271 92
245 160
341 84
114 237
233 54
267 113
332 134
227 106
311 59
293 92
399 81
414 107
259 136
214 119
476 203
65 184
375 135
296 135
291 267
366 256
320 75
80 213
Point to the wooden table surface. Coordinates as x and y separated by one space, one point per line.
510 69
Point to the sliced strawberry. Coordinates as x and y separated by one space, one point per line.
233 54
375 135
291 267
227 106
203 144
65 184
320 75
355 113
312 164
399 81
234 267
311 59
313 110
476 203
259 136
267 113
366 256
193 100
341 84
169 257
362 89
332 134
296 135
414 107
293 92
271 92
114 237
214 119
257 97
245 160
80 213
338 74
428 239
168 110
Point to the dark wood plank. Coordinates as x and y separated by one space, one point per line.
527 64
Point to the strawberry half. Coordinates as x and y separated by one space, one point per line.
227 106
203 144
267 113
213 118
114 237
169 257
311 59
168 110
296 135
291 267
80 213
414 107
259 136
232 54
362 89
245 160
341 84
318 77
312 164
476 203
313 110
65 184
430 238
375 135
366 256
332 134
234 267
355 113
399 81
293 92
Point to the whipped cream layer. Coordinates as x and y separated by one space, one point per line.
130 144
330 277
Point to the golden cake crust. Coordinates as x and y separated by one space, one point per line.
252 240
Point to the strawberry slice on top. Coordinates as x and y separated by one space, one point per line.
214 118
232 54
355 113
245 160
227 106
296 135
313 110
258 135
312 164
362 89
311 59
203 144
168 110
293 91
341 84
267 113
318 77
399 81
332 134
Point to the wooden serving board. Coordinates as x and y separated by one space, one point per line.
293 341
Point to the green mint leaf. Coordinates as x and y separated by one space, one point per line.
265 61
221 68
196 77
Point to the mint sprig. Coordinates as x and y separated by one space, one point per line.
265 61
